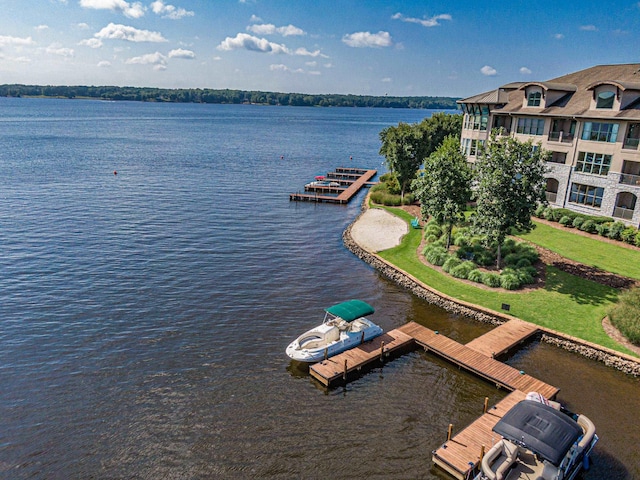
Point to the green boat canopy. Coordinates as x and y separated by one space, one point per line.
350 310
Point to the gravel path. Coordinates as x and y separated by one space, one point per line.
378 230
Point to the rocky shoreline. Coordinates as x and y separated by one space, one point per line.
611 358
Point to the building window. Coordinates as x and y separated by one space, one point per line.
531 126
586 195
632 139
595 163
470 146
476 117
533 100
605 100
600 132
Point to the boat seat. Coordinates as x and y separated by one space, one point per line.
498 460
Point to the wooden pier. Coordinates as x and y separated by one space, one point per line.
353 178
501 339
340 368
498 373
462 453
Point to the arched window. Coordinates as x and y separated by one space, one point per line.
605 99
533 100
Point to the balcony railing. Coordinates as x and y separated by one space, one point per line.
560 137
629 179
631 143
624 213
551 196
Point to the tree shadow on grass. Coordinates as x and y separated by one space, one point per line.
583 292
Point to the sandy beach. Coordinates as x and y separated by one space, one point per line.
378 230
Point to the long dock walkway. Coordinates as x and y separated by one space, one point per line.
356 179
459 455
341 367
501 374
503 338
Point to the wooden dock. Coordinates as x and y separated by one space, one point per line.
340 368
355 179
503 338
498 373
460 454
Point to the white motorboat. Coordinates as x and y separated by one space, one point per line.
541 440
344 327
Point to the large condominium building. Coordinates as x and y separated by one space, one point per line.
589 120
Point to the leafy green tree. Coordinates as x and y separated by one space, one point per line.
405 146
444 186
510 183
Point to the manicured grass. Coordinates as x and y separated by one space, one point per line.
590 251
567 303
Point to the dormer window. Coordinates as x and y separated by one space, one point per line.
534 98
605 100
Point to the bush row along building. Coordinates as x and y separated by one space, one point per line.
589 120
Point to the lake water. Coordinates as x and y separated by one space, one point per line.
144 314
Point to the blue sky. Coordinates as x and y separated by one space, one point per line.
439 48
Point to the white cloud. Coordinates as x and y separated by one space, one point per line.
8 40
283 68
181 53
130 34
255 19
91 42
158 60
169 11
558 36
488 71
270 29
306 53
589 28
368 39
83 26
39 28
57 49
311 64
22 60
131 10
254 44
425 22
314 72
104 64
386 80
525 71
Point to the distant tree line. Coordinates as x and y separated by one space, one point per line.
205 95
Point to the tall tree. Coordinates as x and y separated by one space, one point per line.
510 183
406 146
444 186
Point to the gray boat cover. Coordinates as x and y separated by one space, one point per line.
540 428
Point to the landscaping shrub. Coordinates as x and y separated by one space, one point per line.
511 259
430 238
491 279
548 213
451 263
566 221
625 315
461 240
539 212
523 262
463 270
510 281
577 222
588 226
628 235
615 230
476 276
525 277
436 256
598 220
433 229
603 229
485 258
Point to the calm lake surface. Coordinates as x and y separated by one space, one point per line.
144 315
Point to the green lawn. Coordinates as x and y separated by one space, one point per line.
568 303
590 251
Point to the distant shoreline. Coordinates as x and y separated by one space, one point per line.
224 96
